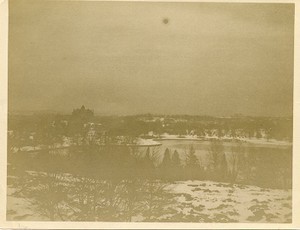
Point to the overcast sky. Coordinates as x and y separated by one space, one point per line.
168 58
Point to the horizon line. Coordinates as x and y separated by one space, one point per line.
64 113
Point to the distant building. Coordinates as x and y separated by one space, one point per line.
83 113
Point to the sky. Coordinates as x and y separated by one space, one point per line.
121 58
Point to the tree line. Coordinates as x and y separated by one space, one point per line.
235 165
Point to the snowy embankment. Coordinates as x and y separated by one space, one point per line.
206 201
262 141
139 143
147 142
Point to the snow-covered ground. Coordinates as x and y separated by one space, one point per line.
166 136
263 141
139 142
21 209
147 142
198 201
266 141
208 201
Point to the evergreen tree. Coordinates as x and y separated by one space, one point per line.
166 162
223 167
191 159
234 156
218 161
192 167
176 160
148 165
166 165
176 166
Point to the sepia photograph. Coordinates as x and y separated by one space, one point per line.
150 112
